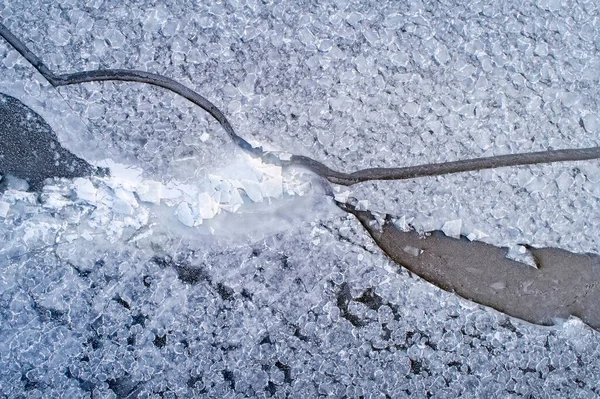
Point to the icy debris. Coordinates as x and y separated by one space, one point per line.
342 197
207 207
441 54
591 123
127 196
411 109
362 205
476 235
412 250
402 224
520 253
499 285
452 228
4 207
273 187
284 156
204 137
252 190
123 207
85 190
564 181
535 185
60 36
184 214
150 191
123 172
115 38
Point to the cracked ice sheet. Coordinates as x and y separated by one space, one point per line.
497 104
287 77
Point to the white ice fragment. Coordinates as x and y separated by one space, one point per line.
171 192
87 236
184 214
235 201
126 196
207 207
269 170
217 196
4 207
452 228
126 173
115 38
85 190
362 205
272 188
342 197
591 123
411 109
519 253
535 185
150 191
541 49
252 190
568 98
441 54
123 207
402 225
498 285
412 250
303 189
204 137
564 181
306 36
60 36
285 156
476 235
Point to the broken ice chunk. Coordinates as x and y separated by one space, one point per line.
85 190
499 285
564 181
452 228
591 123
87 236
123 207
234 202
412 250
402 225
519 253
4 207
303 189
269 170
362 205
411 109
252 190
207 207
535 185
342 197
272 187
184 214
204 137
126 196
476 235
150 191
285 156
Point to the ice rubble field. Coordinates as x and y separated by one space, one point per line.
128 286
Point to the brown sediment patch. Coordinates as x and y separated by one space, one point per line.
564 284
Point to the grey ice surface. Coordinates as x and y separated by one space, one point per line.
29 148
309 306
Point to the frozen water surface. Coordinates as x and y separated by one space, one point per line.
192 271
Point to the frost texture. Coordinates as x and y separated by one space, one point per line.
102 303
